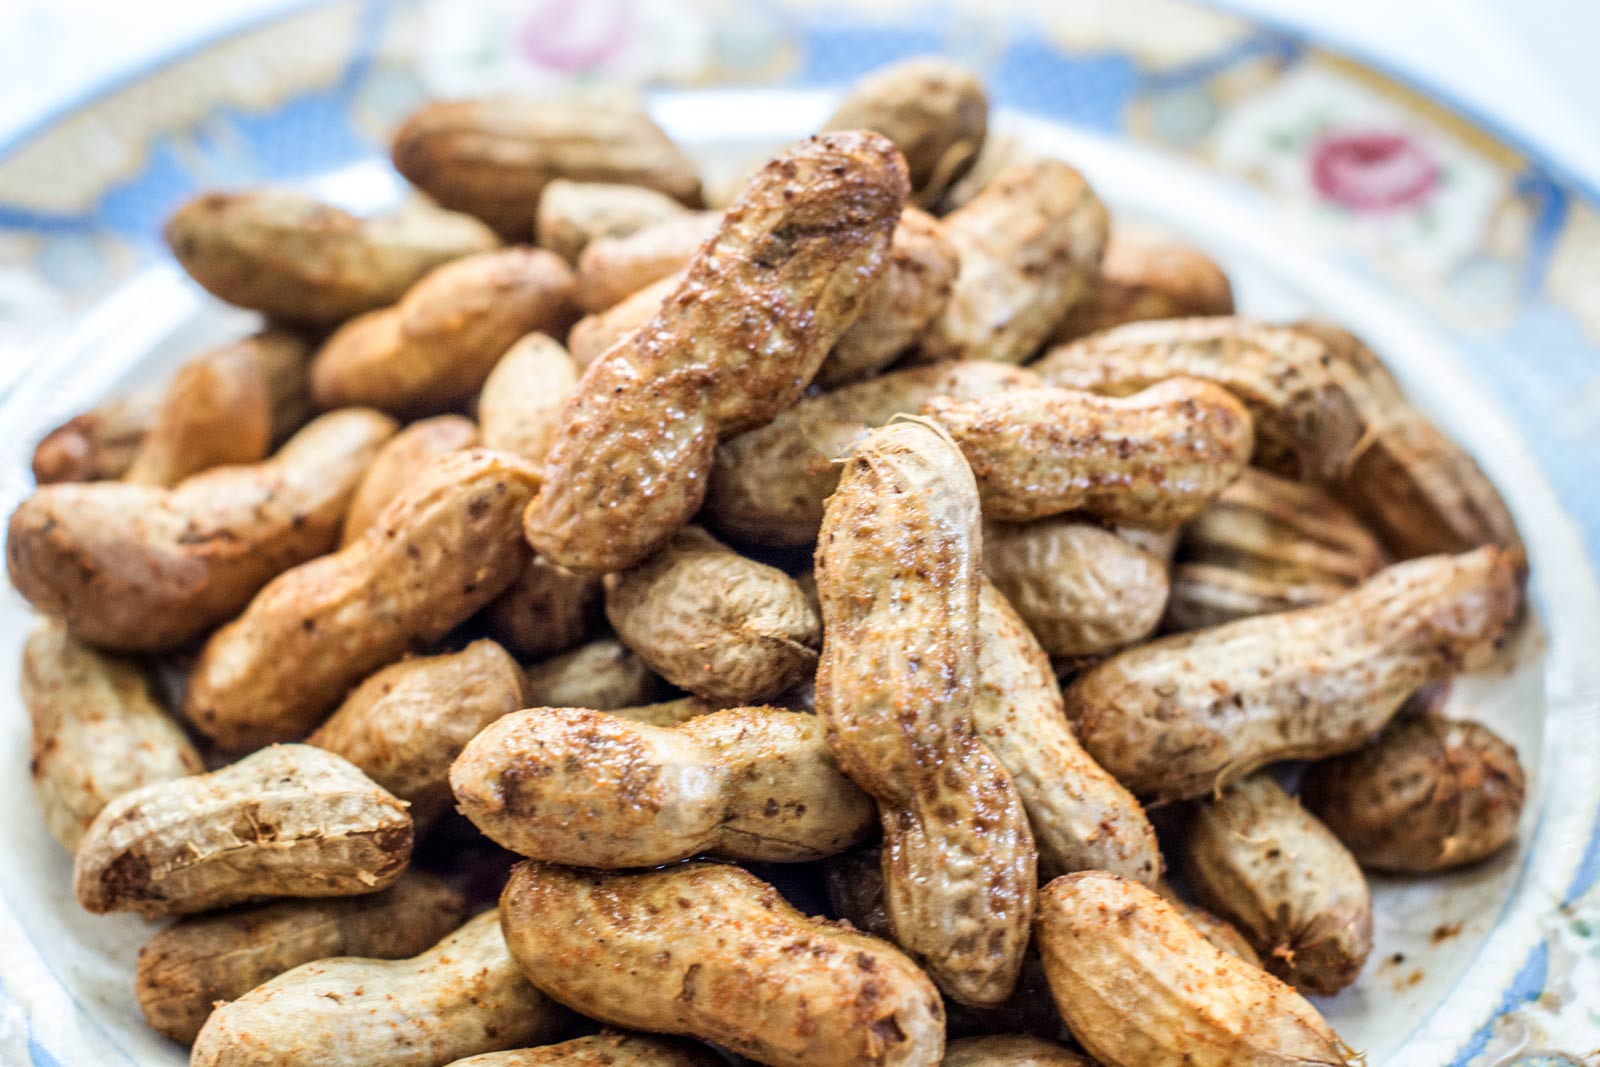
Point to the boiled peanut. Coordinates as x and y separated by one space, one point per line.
98 731
404 725
609 1049
1139 987
461 997
190 966
1081 589
1141 279
434 349
898 574
397 464
522 397
711 951
296 259
1029 245
593 334
1220 932
613 268
1186 714
147 568
1009 1050
760 306
714 622
602 675
1152 459
547 610
492 157
1428 794
1267 545
769 485
1257 858
442 549
99 444
934 111
288 821
570 785
572 214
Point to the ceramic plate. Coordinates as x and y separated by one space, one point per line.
1322 185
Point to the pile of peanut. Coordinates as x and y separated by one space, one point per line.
901 521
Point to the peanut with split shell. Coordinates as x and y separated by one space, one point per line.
575 786
397 464
520 406
611 269
897 570
608 1049
572 214
546 611
1187 714
1143 278
147 568
714 622
1260 860
285 254
711 951
1139 987
760 306
190 966
441 550
97 731
603 674
462 997
287 821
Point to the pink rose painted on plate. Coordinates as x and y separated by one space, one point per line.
1372 171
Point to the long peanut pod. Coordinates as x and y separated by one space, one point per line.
1186 714
762 303
898 576
608 1049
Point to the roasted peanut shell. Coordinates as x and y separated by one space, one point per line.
769 485
570 785
190 966
97 731
1139 987
1187 714
441 550
603 674
713 952
608 1049
299 260
1010 1050
397 464
522 398
1141 279
611 269
1429 794
714 622
146 568
593 334
547 610
762 303
572 214
100 444
288 821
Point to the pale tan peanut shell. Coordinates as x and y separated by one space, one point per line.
1261 861
461 997
145 568
492 157
1267 544
1082 589
397 464
442 549
1152 459
1029 245
762 303
433 350
1081 817
1144 278
99 444
1429 794
603 674
1139 987
572 213
613 268
1220 932
188 967
769 485
547 610
97 731
227 406
287 821
300 260
935 111
522 398
609 1049
714 622
404 725
1000 151
593 334
667 712
712 952
1010 1050
574 786
898 572
1184 715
